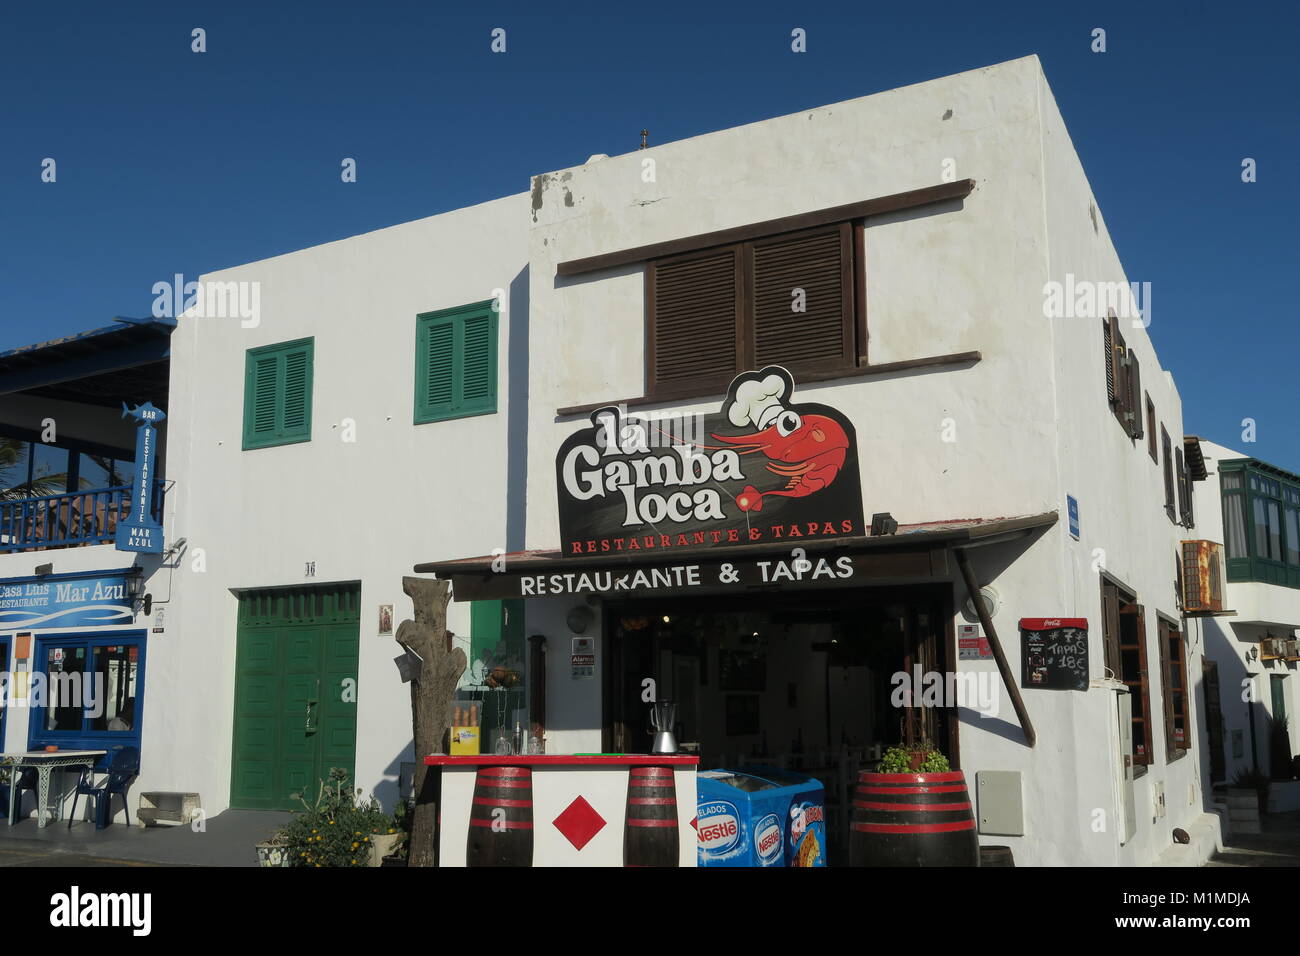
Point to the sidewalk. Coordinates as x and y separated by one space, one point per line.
227 840
1278 845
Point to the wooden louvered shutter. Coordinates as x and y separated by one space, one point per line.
295 421
1133 401
1108 346
264 378
1164 634
456 363
802 300
277 394
1184 491
437 352
1167 449
695 320
1110 630
478 364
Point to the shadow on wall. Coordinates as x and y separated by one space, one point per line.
517 412
1239 713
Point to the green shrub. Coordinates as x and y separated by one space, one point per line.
336 828
899 760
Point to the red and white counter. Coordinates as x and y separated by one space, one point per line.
567 810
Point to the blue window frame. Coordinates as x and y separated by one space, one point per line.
100 708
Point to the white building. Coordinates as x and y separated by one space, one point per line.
1253 509
404 395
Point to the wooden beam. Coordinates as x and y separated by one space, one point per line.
770 227
1008 678
884 368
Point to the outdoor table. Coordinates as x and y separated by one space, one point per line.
45 762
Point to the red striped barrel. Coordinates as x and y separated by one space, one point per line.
650 830
501 818
912 819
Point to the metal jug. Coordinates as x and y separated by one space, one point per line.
662 715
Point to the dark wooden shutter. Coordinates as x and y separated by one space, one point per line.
1133 401
1167 686
1152 437
1110 629
1144 685
1184 492
803 300
1167 449
695 320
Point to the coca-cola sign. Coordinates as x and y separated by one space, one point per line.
762 469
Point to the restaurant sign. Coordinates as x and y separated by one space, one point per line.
764 469
75 601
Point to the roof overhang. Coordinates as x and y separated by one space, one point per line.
914 551
126 361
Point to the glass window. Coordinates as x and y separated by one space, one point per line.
115 669
1292 536
94 471
1234 525
65 693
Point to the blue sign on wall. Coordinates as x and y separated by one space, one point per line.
74 600
140 532
1072 507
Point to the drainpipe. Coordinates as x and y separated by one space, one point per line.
1008 679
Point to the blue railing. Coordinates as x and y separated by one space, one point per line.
70 520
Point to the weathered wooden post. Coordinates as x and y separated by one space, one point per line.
433 685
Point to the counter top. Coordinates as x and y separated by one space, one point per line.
561 760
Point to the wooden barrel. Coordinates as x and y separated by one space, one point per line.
501 818
996 856
912 819
650 830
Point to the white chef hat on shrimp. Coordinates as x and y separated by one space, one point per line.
757 398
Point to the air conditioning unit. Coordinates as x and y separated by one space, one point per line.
1202 577
1291 650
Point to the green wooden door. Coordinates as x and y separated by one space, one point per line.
295 693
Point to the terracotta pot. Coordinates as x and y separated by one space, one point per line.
916 758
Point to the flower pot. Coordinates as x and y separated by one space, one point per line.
913 819
917 758
382 845
272 854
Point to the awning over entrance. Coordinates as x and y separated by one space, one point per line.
913 551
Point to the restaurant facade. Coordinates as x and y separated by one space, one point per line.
774 423
85 578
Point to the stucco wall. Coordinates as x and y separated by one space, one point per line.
363 511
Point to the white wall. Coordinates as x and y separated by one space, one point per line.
363 511
1228 639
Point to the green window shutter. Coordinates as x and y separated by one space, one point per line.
435 374
456 363
277 394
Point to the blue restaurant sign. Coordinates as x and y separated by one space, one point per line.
65 600
140 532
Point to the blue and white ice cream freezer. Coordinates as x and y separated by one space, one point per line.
760 816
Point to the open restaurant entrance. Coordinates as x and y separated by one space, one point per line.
788 680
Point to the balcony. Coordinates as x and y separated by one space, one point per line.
73 520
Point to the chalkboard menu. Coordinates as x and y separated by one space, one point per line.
1054 653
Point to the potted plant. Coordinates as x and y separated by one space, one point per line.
336 829
396 853
921 756
273 851
1257 780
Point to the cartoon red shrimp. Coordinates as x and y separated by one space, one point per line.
811 449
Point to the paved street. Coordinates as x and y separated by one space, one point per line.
1278 845
227 840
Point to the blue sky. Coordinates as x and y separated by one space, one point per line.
171 161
